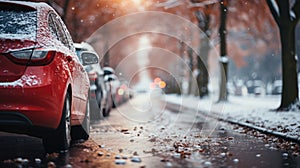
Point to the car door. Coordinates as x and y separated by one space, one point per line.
78 75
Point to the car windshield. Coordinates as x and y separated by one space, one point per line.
18 23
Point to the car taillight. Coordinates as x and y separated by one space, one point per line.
32 57
121 91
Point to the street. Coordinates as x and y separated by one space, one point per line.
149 83
147 132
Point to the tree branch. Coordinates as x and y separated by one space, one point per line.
296 10
274 10
169 4
201 4
55 6
65 8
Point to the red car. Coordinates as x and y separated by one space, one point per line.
43 86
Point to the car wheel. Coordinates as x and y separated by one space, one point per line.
98 97
99 100
114 103
94 109
107 109
60 139
83 131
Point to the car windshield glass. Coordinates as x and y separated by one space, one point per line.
18 23
88 68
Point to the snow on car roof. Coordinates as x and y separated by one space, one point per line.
84 45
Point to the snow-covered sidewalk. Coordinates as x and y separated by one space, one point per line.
254 112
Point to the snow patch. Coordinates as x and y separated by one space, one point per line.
224 59
251 110
18 25
28 80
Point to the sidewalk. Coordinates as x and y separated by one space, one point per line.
253 112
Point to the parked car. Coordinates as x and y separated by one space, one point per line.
114 84
240 90
237 88
100 101
124 91
277 87
109 77
44 88
256 87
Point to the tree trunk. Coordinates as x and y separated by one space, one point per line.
202 78
287 19
223 51
289 67
106 57
203 19
65 12
191 63
180 67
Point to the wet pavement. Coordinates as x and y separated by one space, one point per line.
147 132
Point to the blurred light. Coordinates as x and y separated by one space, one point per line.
152 85
123 86
120 92
136 2
162 84
157 80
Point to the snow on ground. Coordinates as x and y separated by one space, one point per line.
252 111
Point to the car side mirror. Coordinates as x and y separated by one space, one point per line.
109 78
89 58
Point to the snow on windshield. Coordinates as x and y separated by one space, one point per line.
18 24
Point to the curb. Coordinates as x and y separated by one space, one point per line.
243 124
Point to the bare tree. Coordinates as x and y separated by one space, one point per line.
65 10
223 51
286 14
203 18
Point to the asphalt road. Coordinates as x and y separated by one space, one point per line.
147 132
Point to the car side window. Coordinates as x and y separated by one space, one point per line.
59 31
68 42
52 26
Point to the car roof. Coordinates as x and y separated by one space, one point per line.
84 45
108 69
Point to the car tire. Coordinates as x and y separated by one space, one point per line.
114 102
107 110
83 131
94 109
99 98
60 139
